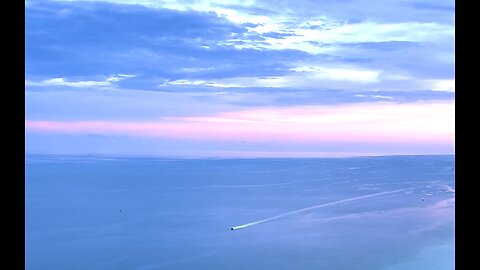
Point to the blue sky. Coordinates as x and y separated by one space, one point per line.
223 78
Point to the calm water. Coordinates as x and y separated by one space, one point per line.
156 213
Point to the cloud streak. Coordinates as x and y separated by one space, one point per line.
314 41
377 122
302 76
109 81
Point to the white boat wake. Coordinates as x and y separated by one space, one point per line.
315 207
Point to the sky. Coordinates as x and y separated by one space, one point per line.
253 78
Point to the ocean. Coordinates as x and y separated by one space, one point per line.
113 212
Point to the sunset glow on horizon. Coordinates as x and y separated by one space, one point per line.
423 122
170 77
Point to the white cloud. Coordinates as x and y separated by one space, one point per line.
119 77
306 76
193 70
62 82
335 32
443 85
185 82
303 76
64 12
339 73
381 97
321 29
216 6
381 32
314 35
375 96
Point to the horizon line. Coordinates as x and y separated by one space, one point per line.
356 155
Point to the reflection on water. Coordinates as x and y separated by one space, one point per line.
153 213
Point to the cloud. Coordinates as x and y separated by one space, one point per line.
358 10
293 31
360 75
443 85
104 38
210 64
314 41
207 44
301 76
257 11
314 77
374 96
62 82
420 122
75 104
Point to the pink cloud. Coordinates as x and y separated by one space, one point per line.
420 122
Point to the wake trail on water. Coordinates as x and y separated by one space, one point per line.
315 207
